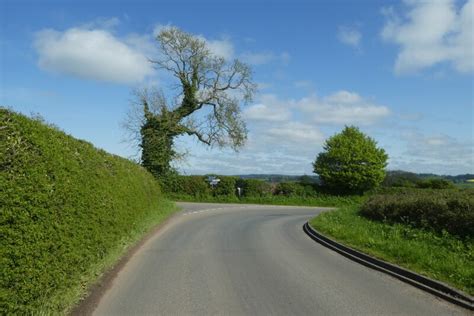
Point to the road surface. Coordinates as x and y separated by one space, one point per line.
216 259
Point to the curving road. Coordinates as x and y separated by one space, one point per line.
254 260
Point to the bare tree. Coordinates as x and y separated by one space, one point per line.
206 83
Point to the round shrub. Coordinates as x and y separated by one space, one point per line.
351 162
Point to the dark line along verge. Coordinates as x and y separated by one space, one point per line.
434 287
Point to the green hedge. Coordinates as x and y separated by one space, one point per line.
450 210
254 188
66 207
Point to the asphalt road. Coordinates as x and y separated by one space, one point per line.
254 260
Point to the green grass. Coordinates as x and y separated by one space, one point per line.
439 256
323 200
465 185
68 212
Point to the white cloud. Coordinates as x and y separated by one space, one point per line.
437 153
223 48
263 112
349 36
432 32
91 54
260 58
297 132
342 107
339 108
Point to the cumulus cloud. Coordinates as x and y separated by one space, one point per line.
264 112
339 108
349 36
344 107
91 54
438 153
260 58
430 33
223 47
268 109
297 132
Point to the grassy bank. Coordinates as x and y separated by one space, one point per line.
440 256
68 212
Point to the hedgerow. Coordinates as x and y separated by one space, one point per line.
65 208
254 188
449 210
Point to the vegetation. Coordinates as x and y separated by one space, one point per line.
413 180
351 162
441 256
68 211
197 189
208 84
439 210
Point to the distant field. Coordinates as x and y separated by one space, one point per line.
469 184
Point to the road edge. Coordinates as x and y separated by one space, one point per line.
89 303
426 284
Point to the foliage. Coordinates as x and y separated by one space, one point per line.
226 187
254 187
351 162
413 180
293 189
437 255
197 189
67 211
195 186
400 179
435 183
157 138
207 84
321 200
449 210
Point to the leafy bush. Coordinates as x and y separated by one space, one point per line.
226 187
196 186
400 179
254 187
435 183
351 162
450 210
290 189
66 207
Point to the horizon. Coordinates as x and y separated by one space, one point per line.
327 65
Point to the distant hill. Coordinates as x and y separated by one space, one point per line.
462 178
280 177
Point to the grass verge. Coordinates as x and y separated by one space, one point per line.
440 256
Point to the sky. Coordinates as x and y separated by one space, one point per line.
402 71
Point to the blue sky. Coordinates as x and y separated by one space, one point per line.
400 70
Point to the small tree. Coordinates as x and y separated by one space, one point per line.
351 162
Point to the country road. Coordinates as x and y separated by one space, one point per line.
216 259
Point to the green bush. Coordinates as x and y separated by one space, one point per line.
351 162
289 189
435 183
195 186
296 189
450 210
225 187
66 207
254 187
